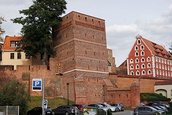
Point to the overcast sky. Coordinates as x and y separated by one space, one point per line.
124 19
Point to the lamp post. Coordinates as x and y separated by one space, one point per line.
67 93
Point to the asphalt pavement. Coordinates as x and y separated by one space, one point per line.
126 112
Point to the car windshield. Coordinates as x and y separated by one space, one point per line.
100 105
107 105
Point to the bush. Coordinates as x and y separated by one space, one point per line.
153 97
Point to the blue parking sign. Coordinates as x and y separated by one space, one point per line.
37 84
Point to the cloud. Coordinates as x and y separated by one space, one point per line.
121 37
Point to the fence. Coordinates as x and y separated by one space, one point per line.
9 110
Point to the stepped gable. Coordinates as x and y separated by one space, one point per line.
157 49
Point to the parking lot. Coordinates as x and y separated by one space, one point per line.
126 112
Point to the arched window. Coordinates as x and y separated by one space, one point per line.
131 73
137 60
148 59
143 66
148 65
149 72
131 67
142 53
143 59
138 41
137 66
143 72
136 48
136 54
131 60
142 47
137 73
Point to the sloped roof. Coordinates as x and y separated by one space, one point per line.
157 49
7 41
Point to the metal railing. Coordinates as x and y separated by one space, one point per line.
9 110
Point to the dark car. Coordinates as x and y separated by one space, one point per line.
147 110
66 110
120 106
38 111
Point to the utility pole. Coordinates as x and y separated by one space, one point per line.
43 113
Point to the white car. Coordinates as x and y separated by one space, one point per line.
112 108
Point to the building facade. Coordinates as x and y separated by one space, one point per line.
10 57
147 58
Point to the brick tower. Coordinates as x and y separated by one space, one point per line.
82 53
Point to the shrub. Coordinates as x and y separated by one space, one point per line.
153 97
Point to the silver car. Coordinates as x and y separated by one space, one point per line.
147 110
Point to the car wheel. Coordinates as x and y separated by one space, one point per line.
66 113
117 109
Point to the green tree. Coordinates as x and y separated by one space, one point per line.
39 24
13 93
1 30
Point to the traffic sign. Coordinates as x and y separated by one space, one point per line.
37 84
45 103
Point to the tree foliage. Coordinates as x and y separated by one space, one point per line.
39 24
1 30
13 93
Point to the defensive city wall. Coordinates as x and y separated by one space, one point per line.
84 89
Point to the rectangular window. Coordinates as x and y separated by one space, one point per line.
13 43
18 55
11 55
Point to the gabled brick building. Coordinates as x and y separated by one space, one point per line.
147 58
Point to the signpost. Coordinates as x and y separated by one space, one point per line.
38 85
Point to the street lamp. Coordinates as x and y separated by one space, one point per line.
67 93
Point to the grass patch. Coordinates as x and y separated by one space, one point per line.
36 101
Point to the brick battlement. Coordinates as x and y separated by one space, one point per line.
31 68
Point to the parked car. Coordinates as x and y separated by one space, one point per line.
162 108
99 106
120 106
38 111
112 108
147 110
80 107
66 110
